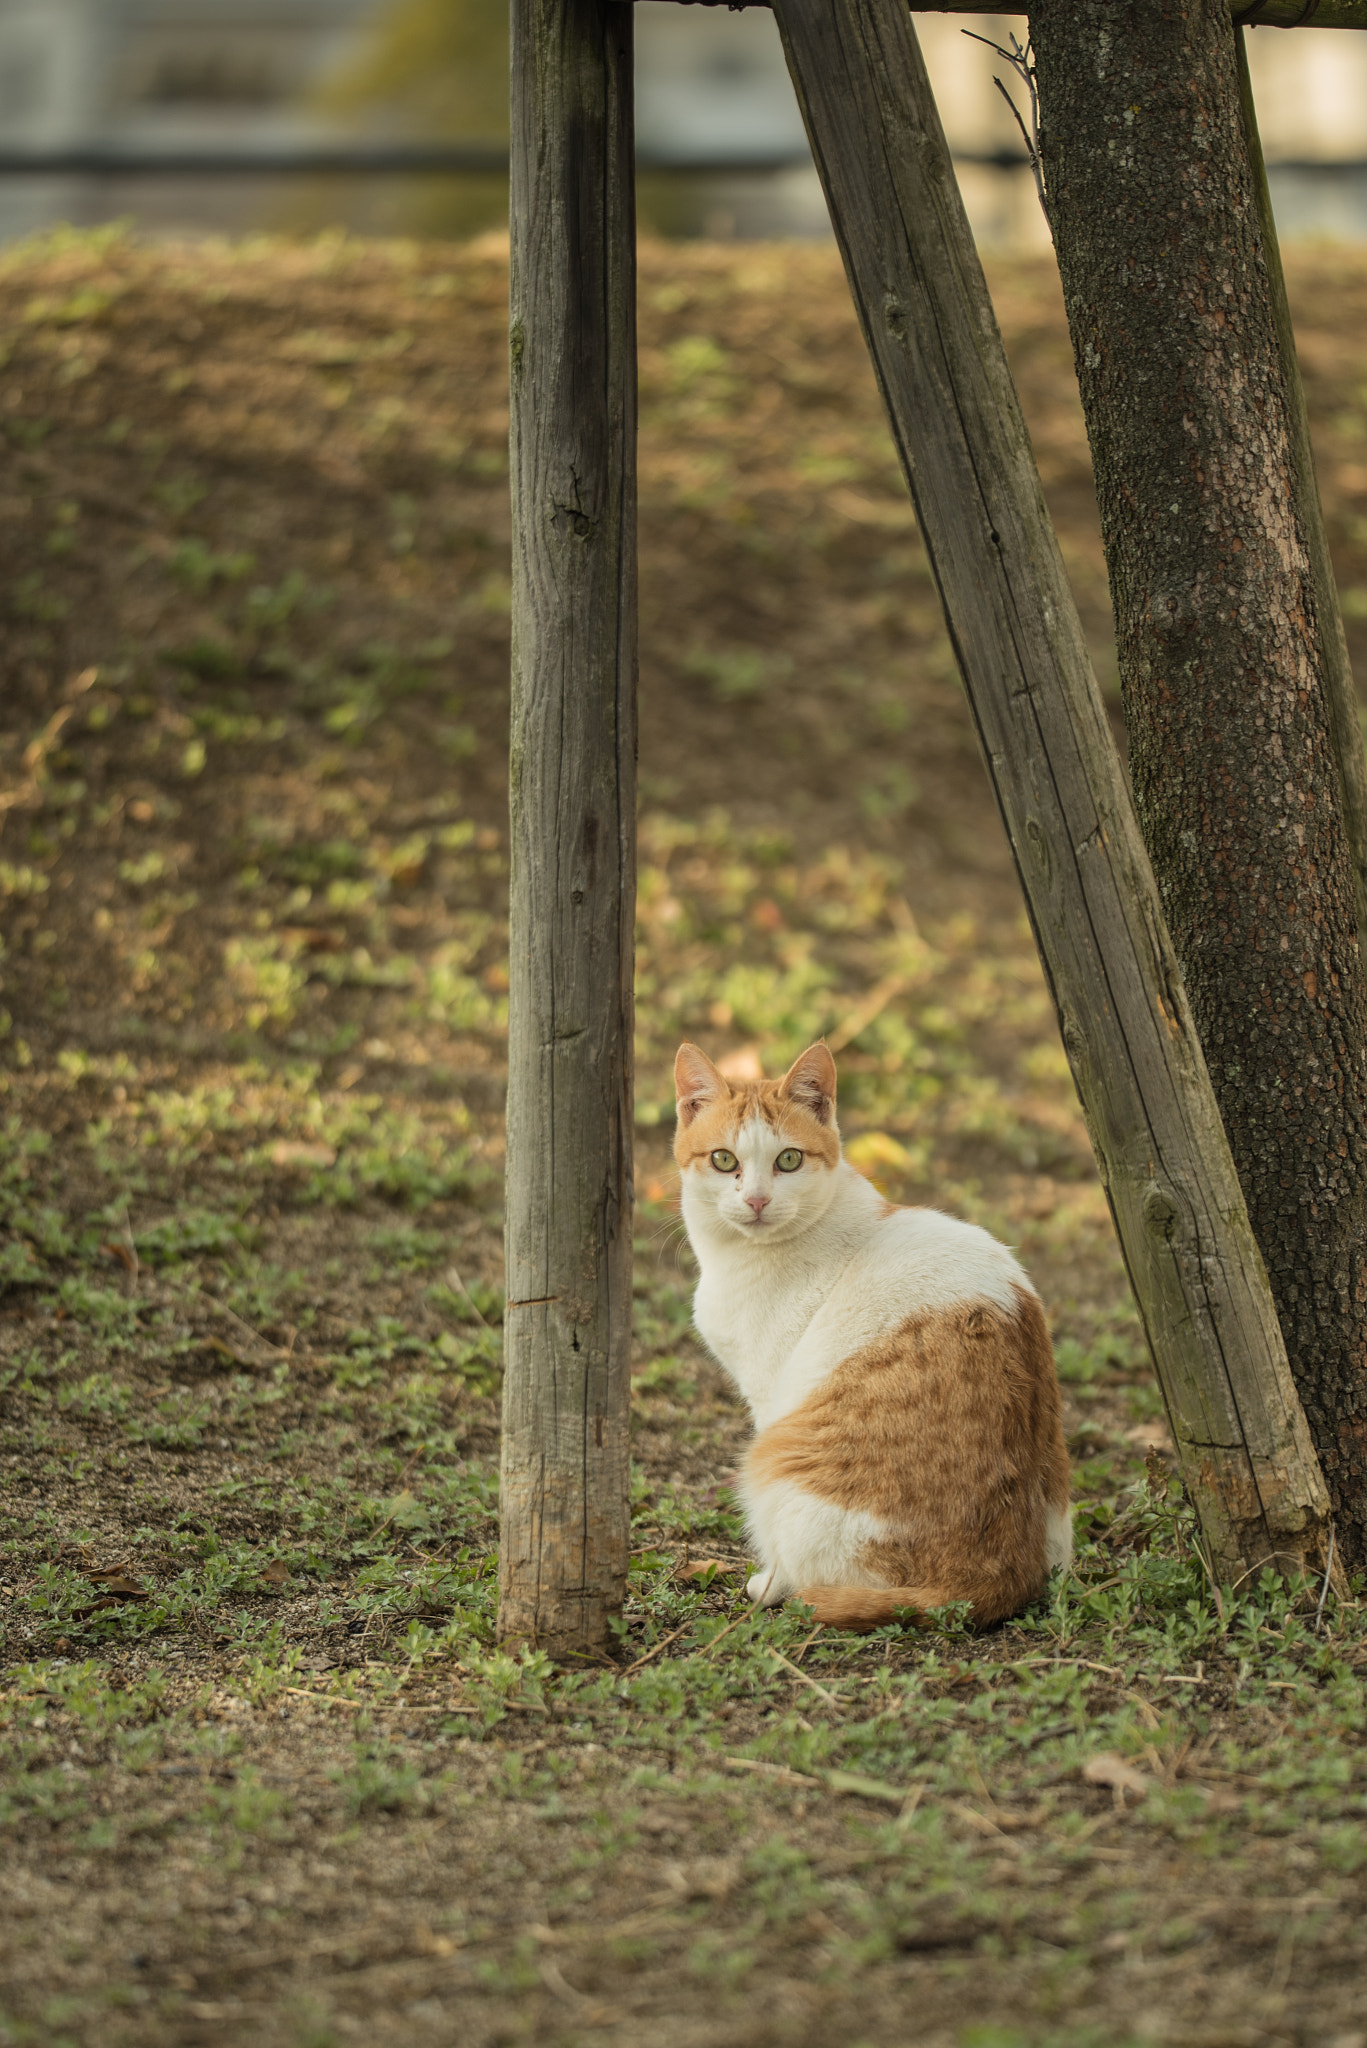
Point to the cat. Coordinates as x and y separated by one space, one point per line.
909 1447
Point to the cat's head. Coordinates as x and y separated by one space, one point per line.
756 1157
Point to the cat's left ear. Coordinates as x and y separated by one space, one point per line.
811 1081
696 1083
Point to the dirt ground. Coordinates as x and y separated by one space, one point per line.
265 1772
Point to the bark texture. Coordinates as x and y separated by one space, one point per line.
1340 696
572 782
928 322
1155 219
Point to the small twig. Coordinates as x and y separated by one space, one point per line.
744 1615
216 1307
233 1317
402 1476
337 1699
1328 1570
1021 1663
1021 59
663 1644
555 1980
829 1697
911 1802
1025 137
873 1005
1215 1590
1291 1557
329 1699
461 1288
126 1250
780 1772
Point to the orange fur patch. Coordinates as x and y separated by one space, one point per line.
712 1107
949 1431
718 1124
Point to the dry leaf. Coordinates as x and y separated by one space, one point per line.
117 1582
300 1152
124 1253
314 938
116 1589
705 1877
1106 1768
979 1822
426 1943
275 1573
705 1566
856 1786
1009 1823
741 1065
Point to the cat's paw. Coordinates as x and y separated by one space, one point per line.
766 1589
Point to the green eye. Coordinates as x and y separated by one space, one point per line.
725 1162
789 1160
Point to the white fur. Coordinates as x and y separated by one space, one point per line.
781 1303
815 1540
783 1300
1058 1536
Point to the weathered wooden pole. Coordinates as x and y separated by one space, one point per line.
567 1333
1247 1458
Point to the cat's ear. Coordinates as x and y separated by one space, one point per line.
696 1083
811 1081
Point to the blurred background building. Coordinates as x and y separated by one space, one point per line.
118 83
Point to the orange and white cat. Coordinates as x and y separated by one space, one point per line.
909 1450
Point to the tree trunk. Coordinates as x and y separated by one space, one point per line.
927 320
1340 696
572 780
1221 646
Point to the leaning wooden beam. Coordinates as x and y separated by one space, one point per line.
1339 692
567 1332
1253 13
1246 1453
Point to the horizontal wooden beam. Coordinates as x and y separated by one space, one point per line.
1249 13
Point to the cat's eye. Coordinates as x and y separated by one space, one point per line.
725 1162
789 1159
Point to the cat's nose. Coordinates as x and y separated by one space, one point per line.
759 1203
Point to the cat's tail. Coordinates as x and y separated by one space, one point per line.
866 1607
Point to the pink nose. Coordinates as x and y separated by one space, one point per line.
759 1203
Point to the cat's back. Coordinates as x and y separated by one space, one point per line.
909 1266
911 1262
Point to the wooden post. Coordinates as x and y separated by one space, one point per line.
567 1332
1339 693
1247 1458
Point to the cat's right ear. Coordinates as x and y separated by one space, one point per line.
696 1083
811 1081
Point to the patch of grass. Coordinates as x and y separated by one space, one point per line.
267 1764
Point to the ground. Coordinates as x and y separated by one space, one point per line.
266 1773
